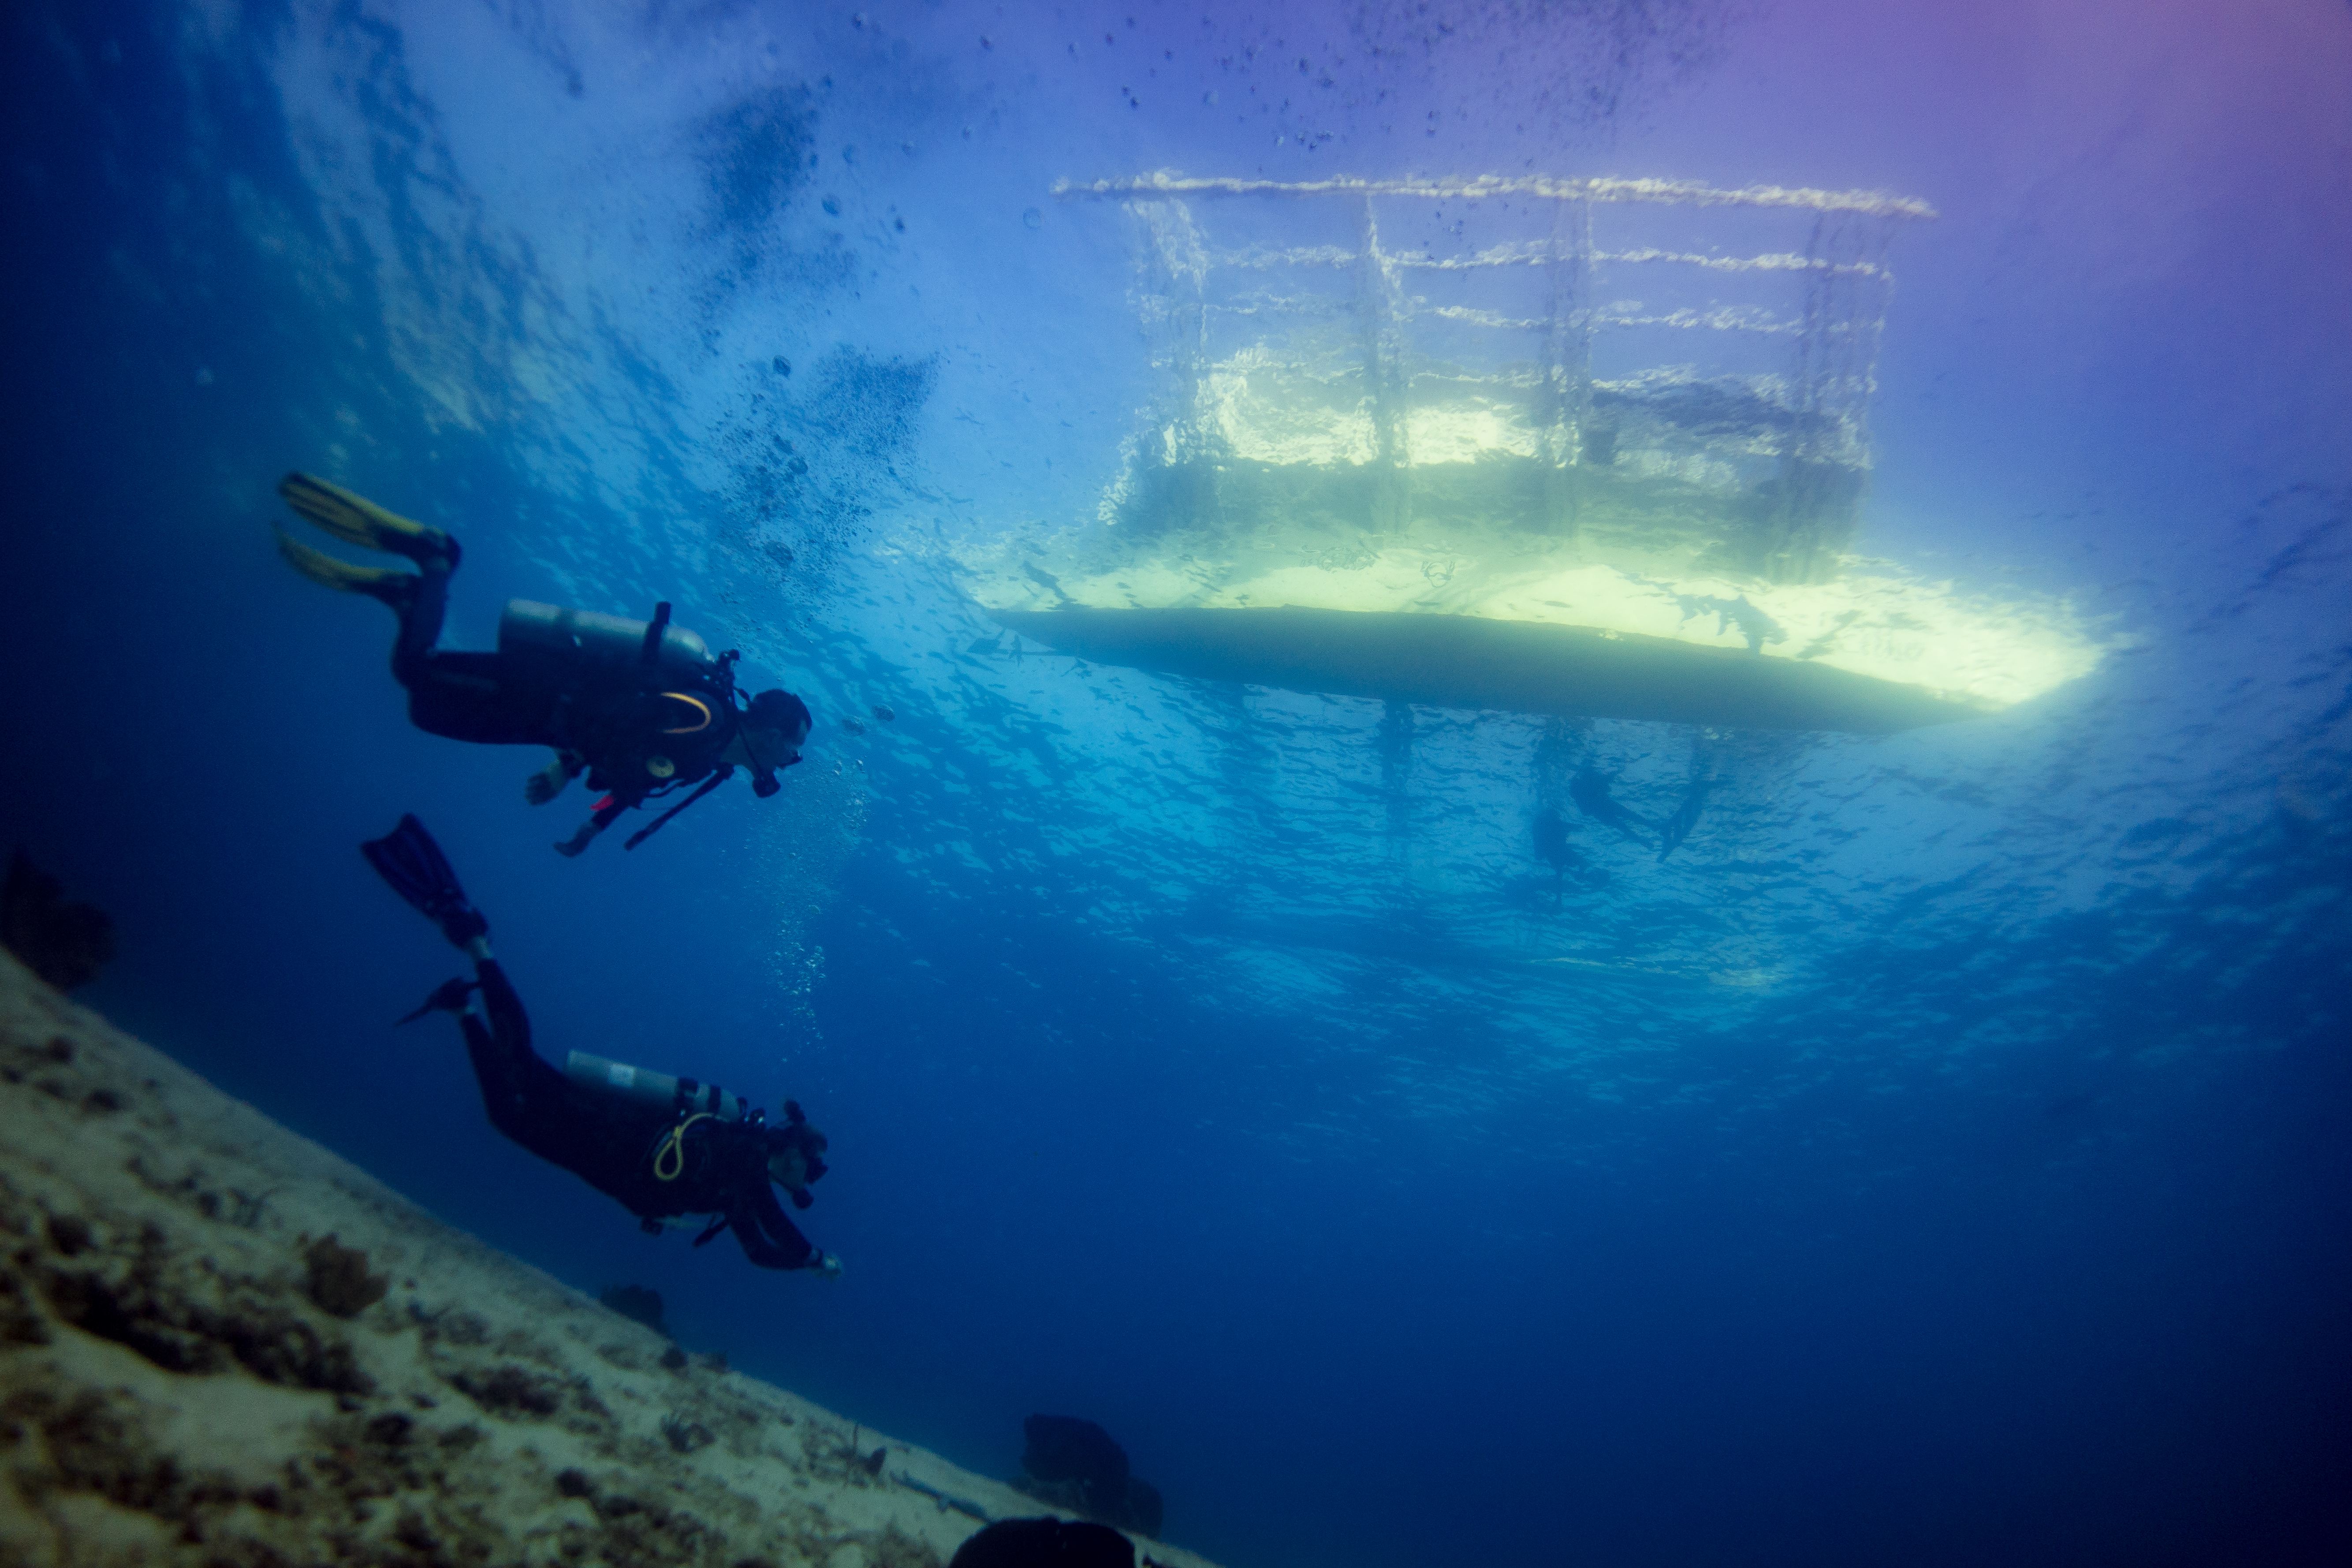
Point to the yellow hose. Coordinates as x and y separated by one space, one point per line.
698 705
669 1154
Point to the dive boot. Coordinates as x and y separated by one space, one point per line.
355 520
389 585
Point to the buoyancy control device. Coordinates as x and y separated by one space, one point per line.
576 653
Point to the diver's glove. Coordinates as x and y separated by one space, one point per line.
826 1267
571 848
548 783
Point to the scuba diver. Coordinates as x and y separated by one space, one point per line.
663 1147
642 708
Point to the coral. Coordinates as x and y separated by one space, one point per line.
508 1390
63 943
131 1302
339 1282
636 1302
1065 1449
684 1435
1075 1464
1144 1511
20 1321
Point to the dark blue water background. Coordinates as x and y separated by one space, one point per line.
1186 1067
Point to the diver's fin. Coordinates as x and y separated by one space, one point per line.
449 997
355 520
415 868
388 583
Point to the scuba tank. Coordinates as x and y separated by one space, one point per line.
578 648
645 703
639 699
656 1090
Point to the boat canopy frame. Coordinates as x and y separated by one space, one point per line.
1793 527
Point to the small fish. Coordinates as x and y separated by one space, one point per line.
1591 793
853 726
883 713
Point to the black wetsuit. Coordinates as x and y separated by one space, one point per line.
611 1143
628 733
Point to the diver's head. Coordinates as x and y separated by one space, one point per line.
795 1151
774 727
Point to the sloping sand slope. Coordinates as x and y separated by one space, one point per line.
174 1387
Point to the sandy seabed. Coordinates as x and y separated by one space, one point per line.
222 1345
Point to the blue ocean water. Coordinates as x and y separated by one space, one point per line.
1940 1159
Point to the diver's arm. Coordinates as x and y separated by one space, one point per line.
607 812
772 1241
548 782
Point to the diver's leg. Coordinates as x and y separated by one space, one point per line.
548 783
525 1098
473 697
494 1071
510 1029
420 623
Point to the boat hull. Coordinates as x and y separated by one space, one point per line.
1477 662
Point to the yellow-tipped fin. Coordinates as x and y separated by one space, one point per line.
389 584
355 520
